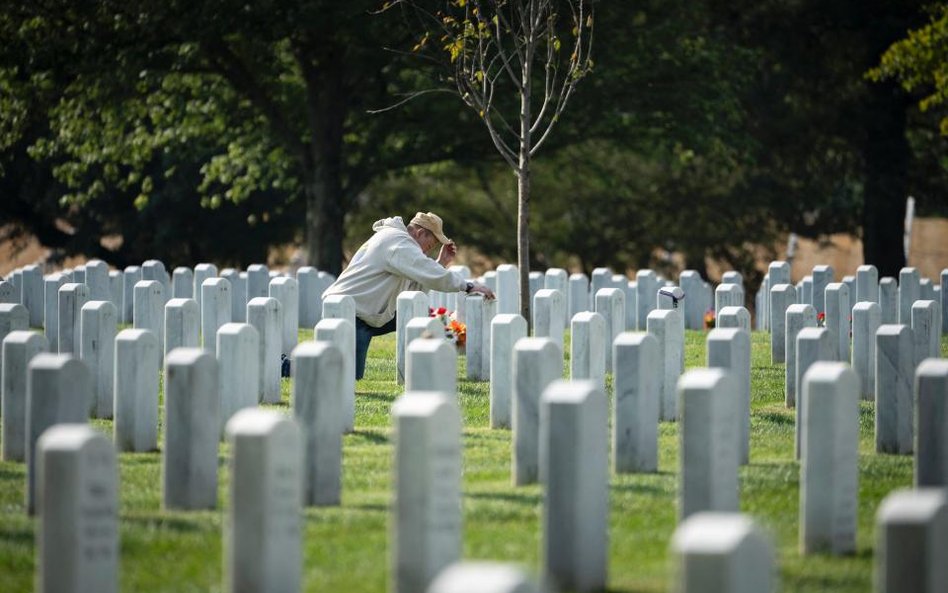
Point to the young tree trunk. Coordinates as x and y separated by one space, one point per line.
523 237
523 193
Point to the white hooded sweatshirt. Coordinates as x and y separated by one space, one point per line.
387 264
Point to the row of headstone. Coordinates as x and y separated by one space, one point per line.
123 368
715 552
40 295
77 504
851 326
578 292
572 400
895 296
262 534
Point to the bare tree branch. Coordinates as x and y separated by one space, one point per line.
407 97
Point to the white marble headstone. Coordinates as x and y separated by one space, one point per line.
483 577
77 503
588 343
506 330
191 430
708 458
51 286
867 317
72 297
829 460
182 325
238 358
58 391
889 300
912 528
216 310
266 316
148 310
730 349
796 318
549 315
263 525
409 305
909 292
931 429
926 330
781 297
575 477
537 363
578 294
136 390
723 552
895 371
339 333
610 303
636 403
18 349
665 325
867 284
426 512
318 404
99 325
287 291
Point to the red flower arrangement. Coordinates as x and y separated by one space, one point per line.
454 330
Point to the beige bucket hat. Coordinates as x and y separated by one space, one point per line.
431 222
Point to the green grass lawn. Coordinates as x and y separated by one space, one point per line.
345 548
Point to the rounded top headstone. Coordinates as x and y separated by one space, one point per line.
180 302
266 302
933 367
70 437
572 391
136 335
424 403
535 345
912 506
332 323
835 373
258 422
187 356
482 577
713 532
893 329
635 339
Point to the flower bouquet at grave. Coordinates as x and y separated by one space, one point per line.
709 319
454 330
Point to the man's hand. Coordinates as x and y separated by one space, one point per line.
484 290
446 256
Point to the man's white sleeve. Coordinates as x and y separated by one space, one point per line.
409 261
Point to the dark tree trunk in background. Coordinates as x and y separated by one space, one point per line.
887 156
886 150
325 219
326 201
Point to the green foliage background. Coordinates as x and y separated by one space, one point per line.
213 130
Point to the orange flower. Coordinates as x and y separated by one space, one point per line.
459 330
709 319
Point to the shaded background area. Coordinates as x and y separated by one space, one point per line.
211 130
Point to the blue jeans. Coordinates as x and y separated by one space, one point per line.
364 335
